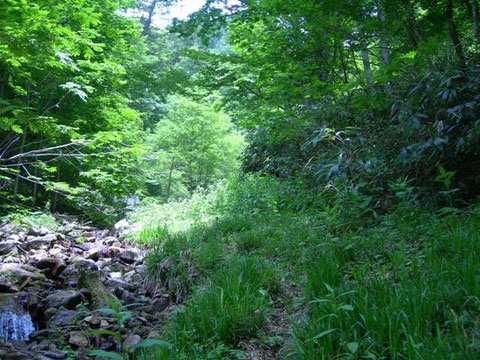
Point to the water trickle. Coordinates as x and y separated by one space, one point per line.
15 323
15 327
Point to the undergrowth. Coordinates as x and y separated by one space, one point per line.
400 286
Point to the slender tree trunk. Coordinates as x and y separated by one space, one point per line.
3 82
414 31
344 65
35 190
148 22
55 196
366 62
169 186
452 29
19 160
476 31
384 50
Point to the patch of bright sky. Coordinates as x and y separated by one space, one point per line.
180 10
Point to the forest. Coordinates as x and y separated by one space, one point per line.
263 179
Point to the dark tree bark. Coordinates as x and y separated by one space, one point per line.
384 50
169 186
452 29
476 31
148 21
366 62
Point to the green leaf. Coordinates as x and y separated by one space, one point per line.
346 307
323 333
106 311
105 332
329 288
153 342
106 354
352 347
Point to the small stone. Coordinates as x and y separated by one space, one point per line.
55 354
115 275
153 334
22 271
160 304
77 339
118 283
128 256
109 240
114 250
94 254
131 340
46 263
37 242
62 318
121 225
66 298
93 321
8 246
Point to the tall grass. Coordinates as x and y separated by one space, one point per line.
402 286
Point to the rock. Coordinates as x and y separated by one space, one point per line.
66 298
36 242
14 237
76 338
110 240
128 256
41 334
133 277
15 355
94 254
118 283
153 334
52 267
114 250
121 225
7 288
46 262
8 246
89 235
38 231
126 296
22 271
131 340
49 313
115 275
62 318
160 303
93 321
56 355
80 264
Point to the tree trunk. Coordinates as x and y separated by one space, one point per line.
384 50
476 32
148 22
414 31
366 62
19 160
169 186
452 29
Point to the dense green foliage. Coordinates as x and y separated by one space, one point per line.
82 86
363 90
351 231
316 283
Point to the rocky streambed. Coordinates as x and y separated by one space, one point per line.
51 283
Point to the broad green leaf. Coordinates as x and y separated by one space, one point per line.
106 354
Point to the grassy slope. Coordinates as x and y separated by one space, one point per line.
313 285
